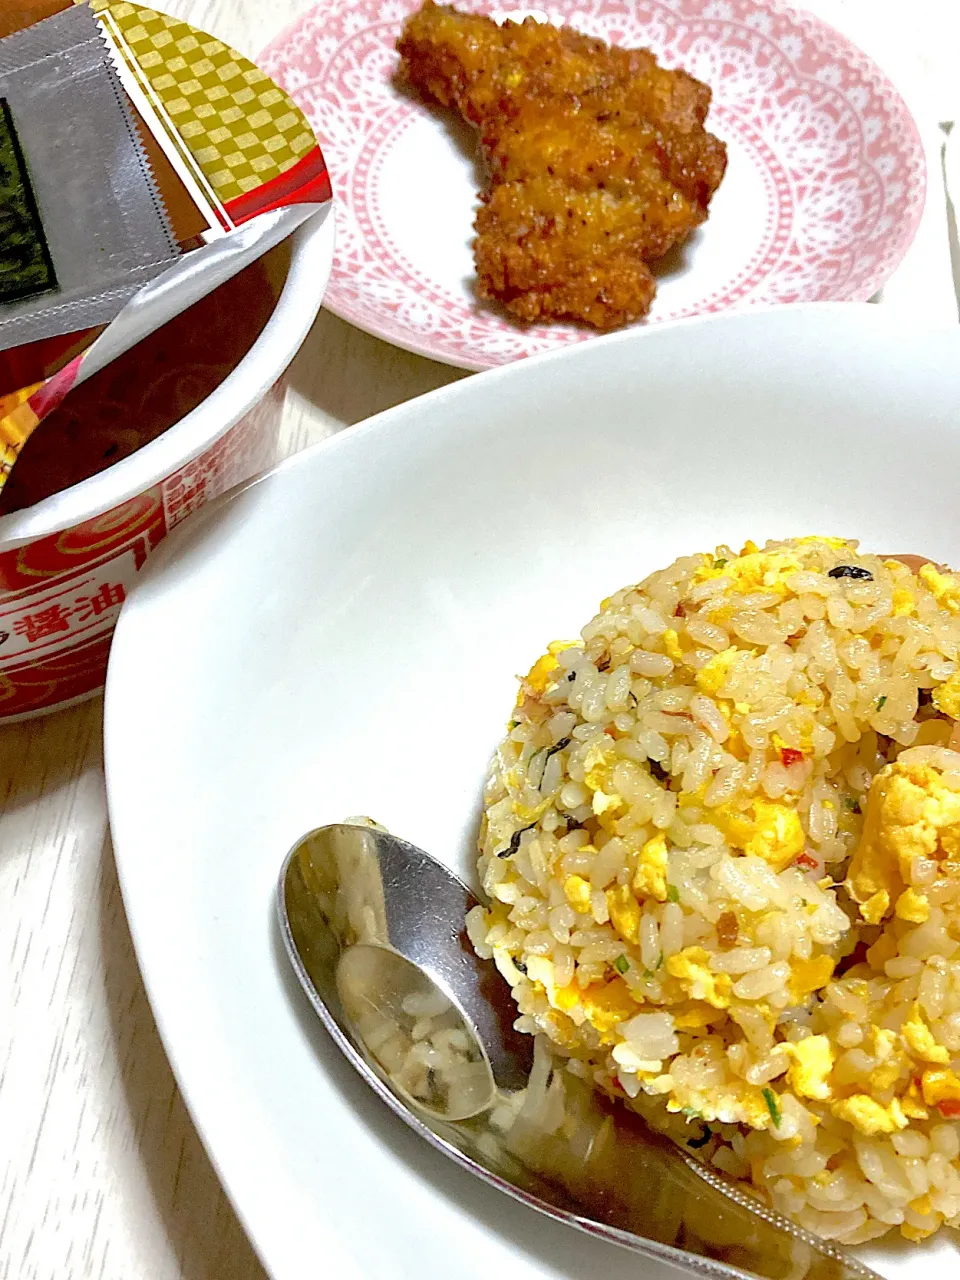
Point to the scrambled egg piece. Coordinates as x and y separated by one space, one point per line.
890 1069
944 587
650 877
752 570
578 894
875 907
693 1015
910 813
903 602
807 976
606 804
531 813
713 674
737 1104
598 764
764 829
920 1039
811 1066
604 1004
691 967
912 1106
913 907
624 912
671 645
868 1116
940 1086
946 697
539 675
598 767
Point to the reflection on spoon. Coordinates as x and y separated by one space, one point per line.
348 897
414 1033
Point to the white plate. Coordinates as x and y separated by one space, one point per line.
288 658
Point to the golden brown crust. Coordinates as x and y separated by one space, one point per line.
598 159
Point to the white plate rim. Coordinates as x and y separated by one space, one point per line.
125 862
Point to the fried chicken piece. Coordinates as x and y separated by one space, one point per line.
598 159
470 62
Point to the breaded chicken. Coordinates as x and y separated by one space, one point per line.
598 159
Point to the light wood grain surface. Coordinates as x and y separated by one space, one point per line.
102 1173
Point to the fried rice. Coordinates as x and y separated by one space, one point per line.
721 847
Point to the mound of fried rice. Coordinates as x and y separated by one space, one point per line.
721 847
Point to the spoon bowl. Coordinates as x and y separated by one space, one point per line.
374 929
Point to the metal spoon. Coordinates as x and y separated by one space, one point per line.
374 929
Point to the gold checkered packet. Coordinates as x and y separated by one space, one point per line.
238 131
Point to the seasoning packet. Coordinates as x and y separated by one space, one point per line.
100 216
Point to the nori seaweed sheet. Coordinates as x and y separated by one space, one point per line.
25 264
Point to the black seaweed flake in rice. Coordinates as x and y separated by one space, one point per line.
514 845
26 267
702 1141
851 571
557 746
550 751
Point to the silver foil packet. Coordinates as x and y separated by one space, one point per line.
102 217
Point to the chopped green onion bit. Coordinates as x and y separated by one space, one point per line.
773 1106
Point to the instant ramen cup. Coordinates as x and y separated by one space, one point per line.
67 560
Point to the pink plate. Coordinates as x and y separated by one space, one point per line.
823 193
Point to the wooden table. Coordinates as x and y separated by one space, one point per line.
101 1171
